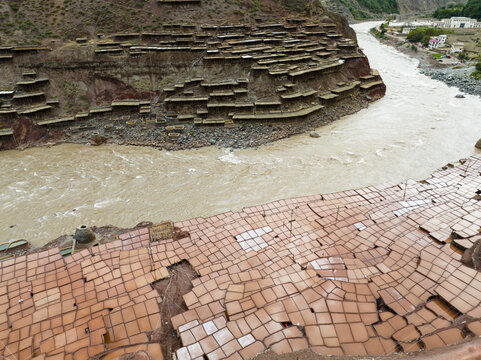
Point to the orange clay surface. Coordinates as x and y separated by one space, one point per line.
371 271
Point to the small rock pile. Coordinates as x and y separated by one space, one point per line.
455 77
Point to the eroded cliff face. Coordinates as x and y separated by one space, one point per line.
424 6
185 75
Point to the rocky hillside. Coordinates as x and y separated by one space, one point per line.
36 20
170 81
361 9
424 6
368 9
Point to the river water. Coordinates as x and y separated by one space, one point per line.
417 127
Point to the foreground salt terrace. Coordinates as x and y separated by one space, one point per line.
369 271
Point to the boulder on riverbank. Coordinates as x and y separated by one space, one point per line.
478 144
455 77
97 140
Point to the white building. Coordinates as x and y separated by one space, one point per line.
460 22
433 43
442 39
406 29
456 48
437 41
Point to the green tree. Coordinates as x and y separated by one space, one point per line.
415 35
472 9
443 13
421 34
380 6
425 40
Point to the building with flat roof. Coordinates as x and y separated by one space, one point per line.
459 22
457 48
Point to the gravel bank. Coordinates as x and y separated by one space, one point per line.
455 77
244 135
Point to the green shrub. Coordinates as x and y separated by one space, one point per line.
377 33
442 13
472 9
380 6
476 75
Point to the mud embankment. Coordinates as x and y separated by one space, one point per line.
242 135
78 85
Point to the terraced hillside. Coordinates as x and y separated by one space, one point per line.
163 86
35 21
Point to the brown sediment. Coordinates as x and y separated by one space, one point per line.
448 310
472 256
172 291
456 249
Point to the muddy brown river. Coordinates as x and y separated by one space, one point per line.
418 127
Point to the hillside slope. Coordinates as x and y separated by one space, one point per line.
471 9
36 20
366 9
169 75
424 6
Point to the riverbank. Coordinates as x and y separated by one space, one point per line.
108 233
365 272
452 75
457 77
135 131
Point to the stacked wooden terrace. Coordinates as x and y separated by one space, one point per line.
292 56
117 107
7 53
236 42
270 72
27 99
